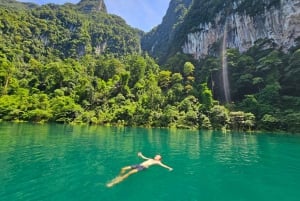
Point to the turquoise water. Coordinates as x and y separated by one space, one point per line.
58 162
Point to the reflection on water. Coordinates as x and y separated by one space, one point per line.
63 162
127 140
237 149
189 141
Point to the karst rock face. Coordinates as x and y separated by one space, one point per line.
280 24
197 27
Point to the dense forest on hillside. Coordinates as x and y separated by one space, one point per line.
61 65
157 41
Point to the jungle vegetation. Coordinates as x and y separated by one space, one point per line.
61 65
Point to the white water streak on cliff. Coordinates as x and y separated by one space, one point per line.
226 85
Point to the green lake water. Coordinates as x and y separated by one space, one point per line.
62 162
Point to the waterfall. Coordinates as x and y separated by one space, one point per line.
226 86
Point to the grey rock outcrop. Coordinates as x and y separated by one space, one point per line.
88 6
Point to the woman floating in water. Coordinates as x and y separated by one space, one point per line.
136 168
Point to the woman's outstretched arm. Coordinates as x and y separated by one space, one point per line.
142 156
165 166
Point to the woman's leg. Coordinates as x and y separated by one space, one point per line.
128 174
124 169
121 178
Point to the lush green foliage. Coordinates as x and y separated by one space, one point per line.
49 32
62 65
264 81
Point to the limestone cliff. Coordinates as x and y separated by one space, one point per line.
280 24
199 29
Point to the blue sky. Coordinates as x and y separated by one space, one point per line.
142 14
